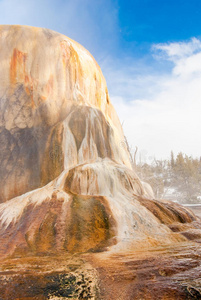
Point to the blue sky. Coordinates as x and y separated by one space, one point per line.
150 54
156 21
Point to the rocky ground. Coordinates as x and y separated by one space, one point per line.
161 273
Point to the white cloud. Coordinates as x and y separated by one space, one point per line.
185 55
168 116
175 51
189 66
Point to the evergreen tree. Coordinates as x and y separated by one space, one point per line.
172 161
177 179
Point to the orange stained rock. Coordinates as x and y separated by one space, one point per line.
65 52
18 73
48 88
17 66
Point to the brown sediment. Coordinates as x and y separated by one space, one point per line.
52 161
166 273
44 278
168 212
81 224
91 226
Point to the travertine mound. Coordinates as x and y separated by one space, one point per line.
66 180
55 110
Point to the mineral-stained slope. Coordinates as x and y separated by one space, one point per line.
66 181
55 110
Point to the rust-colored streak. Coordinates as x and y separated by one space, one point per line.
65 52
13 67
91 225
48 88
18 72
71 65
18 66
29 88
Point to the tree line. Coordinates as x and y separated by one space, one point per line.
177 178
